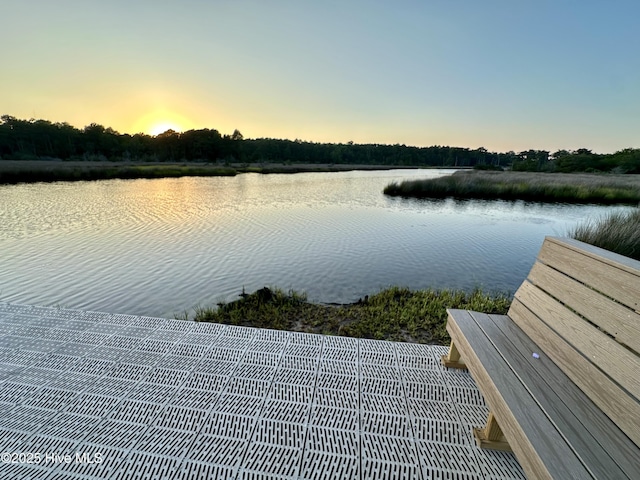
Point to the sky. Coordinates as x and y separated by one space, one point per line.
500 74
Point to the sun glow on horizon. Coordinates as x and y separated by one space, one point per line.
163 126
160 120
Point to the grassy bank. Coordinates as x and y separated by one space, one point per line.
30 171
393 314
44 171
617 232
531 186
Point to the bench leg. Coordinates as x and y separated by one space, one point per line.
452 359
491 436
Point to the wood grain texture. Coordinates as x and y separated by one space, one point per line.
601 445
620 322
540 448
492 428
620 261
597 272
614 401
491 436
573 409
618 363
453 359
483 441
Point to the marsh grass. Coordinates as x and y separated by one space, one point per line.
530 186
38 171
618 232
29 171
396 313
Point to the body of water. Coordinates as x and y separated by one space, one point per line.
159 247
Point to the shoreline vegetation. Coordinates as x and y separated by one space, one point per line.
617 232
528 186
397 314
33 171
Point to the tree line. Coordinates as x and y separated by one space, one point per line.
580 160
41 139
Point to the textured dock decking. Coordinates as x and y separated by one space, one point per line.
146 398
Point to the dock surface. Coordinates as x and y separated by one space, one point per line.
86 395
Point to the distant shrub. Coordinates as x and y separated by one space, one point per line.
487 166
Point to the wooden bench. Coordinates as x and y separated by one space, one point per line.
560 372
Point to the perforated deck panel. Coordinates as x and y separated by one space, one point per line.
87 395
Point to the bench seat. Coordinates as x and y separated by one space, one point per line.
554 429
561 371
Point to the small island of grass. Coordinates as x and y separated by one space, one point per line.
529 186
396 313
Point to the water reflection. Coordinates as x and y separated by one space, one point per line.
156 247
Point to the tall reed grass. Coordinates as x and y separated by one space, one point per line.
618 232
531 186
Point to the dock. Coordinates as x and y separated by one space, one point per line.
87 395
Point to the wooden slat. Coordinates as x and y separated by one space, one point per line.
529 432
619 363
598 272
602 446
625 263
615 319
614 401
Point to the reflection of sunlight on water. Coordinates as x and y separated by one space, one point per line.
157 247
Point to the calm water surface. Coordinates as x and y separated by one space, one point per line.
158 247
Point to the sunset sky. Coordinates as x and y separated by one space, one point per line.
500 74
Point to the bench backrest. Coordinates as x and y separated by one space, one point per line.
581 305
